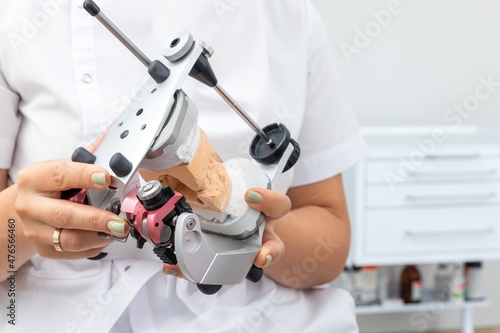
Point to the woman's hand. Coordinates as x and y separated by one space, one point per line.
39 205
274 205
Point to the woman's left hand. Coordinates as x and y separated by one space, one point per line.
274 205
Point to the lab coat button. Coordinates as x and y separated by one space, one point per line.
87 78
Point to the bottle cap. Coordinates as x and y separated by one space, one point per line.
475 264
370 268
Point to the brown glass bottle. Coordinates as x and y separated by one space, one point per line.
411 285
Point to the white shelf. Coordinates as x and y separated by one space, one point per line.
420 307
409 162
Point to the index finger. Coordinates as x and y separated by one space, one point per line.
69 215
63 175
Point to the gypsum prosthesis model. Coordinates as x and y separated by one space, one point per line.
197 173
214 236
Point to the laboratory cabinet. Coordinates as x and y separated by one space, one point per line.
425 195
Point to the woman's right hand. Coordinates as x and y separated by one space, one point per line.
39 206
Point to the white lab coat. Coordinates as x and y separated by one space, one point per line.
64 78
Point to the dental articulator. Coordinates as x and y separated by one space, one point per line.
180 213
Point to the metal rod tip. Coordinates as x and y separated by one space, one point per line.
91 7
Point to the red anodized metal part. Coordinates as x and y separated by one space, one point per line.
80 197
133 207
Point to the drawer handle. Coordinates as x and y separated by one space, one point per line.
450 197
454 173
468 232
452 156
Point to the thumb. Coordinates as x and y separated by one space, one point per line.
273 204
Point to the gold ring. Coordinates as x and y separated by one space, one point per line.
56 239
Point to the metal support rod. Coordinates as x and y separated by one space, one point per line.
122 38
242 114
467 320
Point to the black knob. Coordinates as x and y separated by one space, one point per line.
166 255
255 274
82 155
120 165
294 157
209 289
268 154
158 71
100 256
91 7
140 240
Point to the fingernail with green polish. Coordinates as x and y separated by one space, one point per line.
99 178
169 271
269 260
254 197
117 227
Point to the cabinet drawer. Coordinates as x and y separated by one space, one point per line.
398 171
432 231
419 195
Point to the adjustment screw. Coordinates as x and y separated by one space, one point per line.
191 223
149 190
147 187
208 51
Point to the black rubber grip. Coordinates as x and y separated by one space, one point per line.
209 289
158 71
82 155
294 157
91 7
100 256
120 165
255 274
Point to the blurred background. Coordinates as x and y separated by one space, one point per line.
432 63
